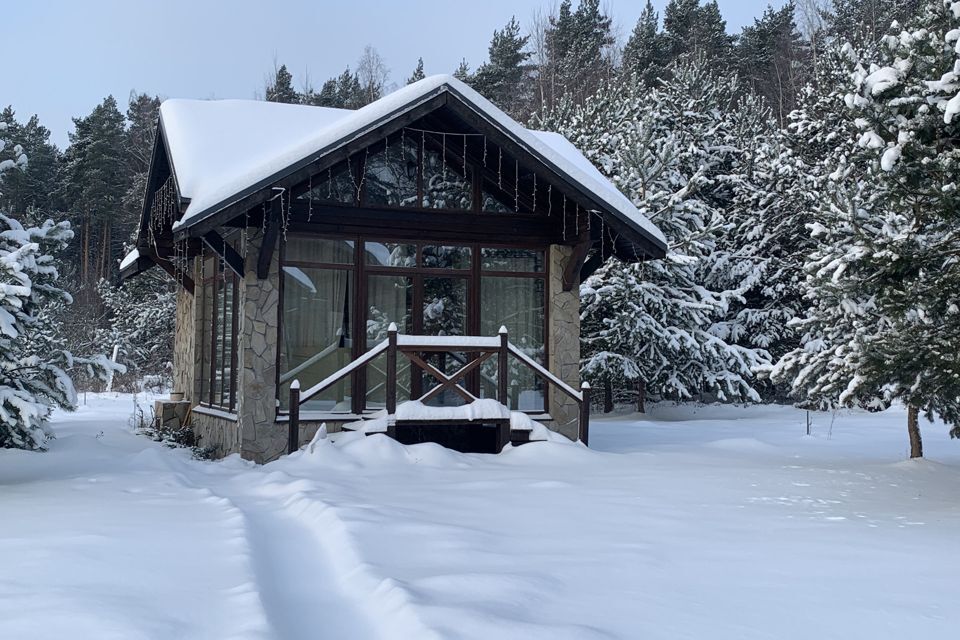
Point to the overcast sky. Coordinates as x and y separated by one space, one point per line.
64 56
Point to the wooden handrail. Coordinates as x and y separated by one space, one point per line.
412 346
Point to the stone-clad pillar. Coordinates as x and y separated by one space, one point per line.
563 349
263 439
184 344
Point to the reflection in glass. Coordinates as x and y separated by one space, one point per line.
523 260
444 257
390 254
336 186
389 299
444 314
444 184
390 175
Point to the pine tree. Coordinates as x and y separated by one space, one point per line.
505 78
772 59
418 73
462 71
30 191
863 22
94 179
884 316
643 54
690 29
33 368
280 87
577 48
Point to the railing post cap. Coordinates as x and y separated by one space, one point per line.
503 329
295 385
585 385
392 328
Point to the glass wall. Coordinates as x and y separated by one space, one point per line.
426 289
218 336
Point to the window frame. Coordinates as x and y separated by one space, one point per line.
219 321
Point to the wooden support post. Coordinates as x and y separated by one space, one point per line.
293 426
585 413
502 368
391 387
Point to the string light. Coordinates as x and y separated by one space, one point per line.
516 185
564 217
310 198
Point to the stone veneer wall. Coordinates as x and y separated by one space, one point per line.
563 348
183 344
219 434
263 439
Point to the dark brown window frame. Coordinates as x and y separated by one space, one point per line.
360 269
223 318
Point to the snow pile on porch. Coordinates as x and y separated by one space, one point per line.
414 410
690 522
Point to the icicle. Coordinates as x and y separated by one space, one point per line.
464 156
549 199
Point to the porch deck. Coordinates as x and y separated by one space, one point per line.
478 425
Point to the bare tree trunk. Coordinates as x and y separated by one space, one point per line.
913 428
607 396
641 395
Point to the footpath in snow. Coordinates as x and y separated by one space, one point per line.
708 522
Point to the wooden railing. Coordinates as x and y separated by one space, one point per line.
411 347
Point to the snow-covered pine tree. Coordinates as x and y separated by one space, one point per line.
884 282
673 151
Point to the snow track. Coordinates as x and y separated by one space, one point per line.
302 594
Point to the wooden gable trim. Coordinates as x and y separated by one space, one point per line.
317 162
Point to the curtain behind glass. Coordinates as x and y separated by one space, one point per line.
316 334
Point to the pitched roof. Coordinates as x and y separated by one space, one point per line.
221 148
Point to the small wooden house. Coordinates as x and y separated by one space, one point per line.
299 234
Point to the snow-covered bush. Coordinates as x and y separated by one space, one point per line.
33 365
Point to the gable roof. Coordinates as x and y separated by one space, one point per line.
221 150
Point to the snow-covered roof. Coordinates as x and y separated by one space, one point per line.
220 148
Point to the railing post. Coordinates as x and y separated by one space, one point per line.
502 368
585 413
391 386
293 426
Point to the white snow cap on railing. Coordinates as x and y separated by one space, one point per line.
584 385
392 328
503 329
295 384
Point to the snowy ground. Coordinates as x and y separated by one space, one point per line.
715 522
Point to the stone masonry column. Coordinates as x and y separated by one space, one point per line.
184 344
563 349
263 439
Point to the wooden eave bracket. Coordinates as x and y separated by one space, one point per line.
220 246
571 272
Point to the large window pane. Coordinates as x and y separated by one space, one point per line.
389 299
390 254
445 186
316 333
518 304
390 177
335 186
444 314
445 257
314 249
522 260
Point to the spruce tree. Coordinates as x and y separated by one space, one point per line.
418 73
884 317
505 78
643 55
280 87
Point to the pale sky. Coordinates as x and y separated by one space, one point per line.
64 56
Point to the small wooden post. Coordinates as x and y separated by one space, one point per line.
391 387
293 426
585 413
502 368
